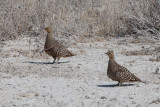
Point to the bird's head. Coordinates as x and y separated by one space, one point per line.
48 29
110 54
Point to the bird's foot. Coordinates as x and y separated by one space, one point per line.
57 62
119 84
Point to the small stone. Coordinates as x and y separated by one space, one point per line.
133 102
103 97
36 95
87 97
113 99
157 70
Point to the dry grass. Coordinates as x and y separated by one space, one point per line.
143 40
154 52
78 20
79 17
140 52
143 51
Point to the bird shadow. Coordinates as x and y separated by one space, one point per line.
61 62
34 62
115 85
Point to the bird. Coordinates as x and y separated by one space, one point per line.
119 73
53 48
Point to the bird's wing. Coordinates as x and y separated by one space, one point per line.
48 48
59 44
123 73
54 44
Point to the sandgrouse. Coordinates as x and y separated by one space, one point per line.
119 73
53 48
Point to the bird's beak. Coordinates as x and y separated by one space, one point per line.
106 53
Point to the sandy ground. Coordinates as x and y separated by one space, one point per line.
79 81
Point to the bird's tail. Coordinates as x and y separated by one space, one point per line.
69 54
134 78
137 79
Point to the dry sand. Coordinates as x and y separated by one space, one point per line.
79 81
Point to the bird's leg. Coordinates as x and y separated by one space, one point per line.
58 58
54 59
119 83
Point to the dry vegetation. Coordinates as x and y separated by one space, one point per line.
81 20
79 17
153 51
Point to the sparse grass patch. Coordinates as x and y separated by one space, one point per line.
143 51
140 52
157 101
157 59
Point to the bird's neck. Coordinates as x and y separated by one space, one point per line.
111 62
49 41
49 36
111 58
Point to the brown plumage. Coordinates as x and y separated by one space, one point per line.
119 73
53 48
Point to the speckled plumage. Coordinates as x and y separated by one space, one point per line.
53 48
119 73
